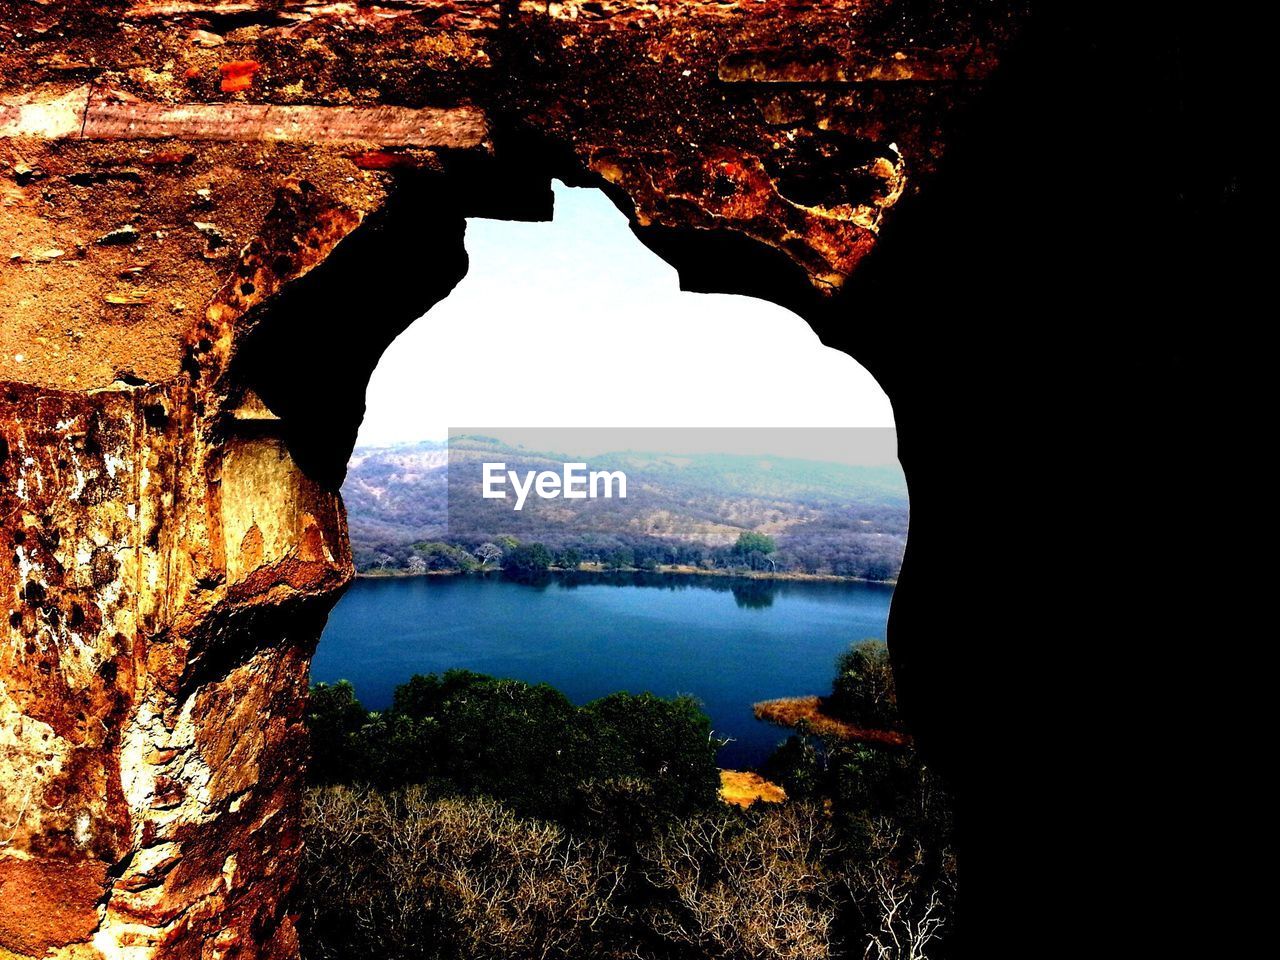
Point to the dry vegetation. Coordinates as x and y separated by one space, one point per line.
406 875
742 788
411 875
808 713
759 893
904 913
541 830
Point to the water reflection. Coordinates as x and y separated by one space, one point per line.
753 594
749 593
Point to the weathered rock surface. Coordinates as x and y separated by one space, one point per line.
214 217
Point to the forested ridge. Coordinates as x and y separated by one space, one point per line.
409 511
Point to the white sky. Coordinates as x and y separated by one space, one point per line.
574 323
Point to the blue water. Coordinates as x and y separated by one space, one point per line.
728 643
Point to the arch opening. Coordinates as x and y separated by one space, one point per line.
553 318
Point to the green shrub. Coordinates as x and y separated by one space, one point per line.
524 744
445 557
334 718
797 767
664 743
864 692
527 560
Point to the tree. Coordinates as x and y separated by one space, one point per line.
749 541
524 744
864 691
904 906
750 888
444 557
667 744
334 719
570 558
419 697
621 559
508 739
527 560
646 557
755 549
796 765
488 553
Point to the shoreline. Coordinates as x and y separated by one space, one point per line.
664 570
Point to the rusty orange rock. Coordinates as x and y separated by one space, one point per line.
46 903
238 74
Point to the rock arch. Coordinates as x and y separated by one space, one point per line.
217 214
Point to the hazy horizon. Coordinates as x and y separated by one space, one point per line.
853 446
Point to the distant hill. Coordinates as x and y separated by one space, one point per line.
824 517
396 495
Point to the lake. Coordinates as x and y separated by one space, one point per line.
730 643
